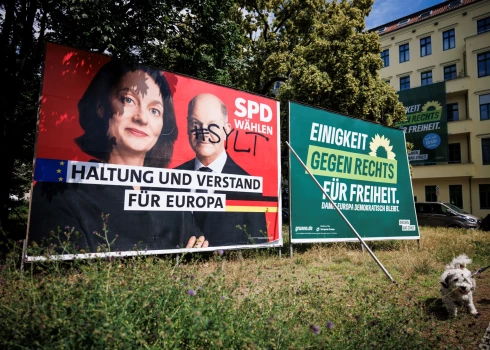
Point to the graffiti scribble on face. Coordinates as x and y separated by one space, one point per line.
204 134
200 133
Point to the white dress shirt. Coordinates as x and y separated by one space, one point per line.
216 166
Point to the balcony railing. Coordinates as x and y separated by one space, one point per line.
458 84
462 126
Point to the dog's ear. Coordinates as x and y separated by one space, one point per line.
445 282
460 265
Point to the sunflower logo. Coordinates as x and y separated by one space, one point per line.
379 144
433 105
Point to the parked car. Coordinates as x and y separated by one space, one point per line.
444 214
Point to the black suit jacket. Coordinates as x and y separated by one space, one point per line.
220 228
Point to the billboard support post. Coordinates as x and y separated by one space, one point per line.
342 215
24 254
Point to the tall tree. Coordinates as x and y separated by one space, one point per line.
322 53
21 49
187 36
206 42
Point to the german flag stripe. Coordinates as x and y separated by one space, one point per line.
252 203
251 209
248 197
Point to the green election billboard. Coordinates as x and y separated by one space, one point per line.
362 166
426 123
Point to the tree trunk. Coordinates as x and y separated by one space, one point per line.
7 170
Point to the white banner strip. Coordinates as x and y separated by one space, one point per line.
126 175
272 244
173 201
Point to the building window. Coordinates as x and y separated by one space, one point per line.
485 107
452 112
485 150
430 194
450 72
483 25
426 77
404 53
484 196
448 40
385 56
404 83
456 195
454 153
483 64
425 47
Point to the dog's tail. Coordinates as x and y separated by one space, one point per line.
459 262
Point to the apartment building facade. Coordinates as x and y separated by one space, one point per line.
448 42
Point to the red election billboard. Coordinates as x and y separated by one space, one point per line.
135 160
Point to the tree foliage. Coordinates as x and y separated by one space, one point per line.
322 53
205 43
319 50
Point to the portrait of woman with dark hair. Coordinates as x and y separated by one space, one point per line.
128 118
112 102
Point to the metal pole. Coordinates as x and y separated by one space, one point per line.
24 253
342 215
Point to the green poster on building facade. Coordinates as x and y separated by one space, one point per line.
362 166
426 124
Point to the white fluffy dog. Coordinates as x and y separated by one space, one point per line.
458 286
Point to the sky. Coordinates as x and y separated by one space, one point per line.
385 11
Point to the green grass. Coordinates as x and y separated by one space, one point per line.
327 296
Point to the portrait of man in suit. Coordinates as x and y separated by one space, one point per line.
207 128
